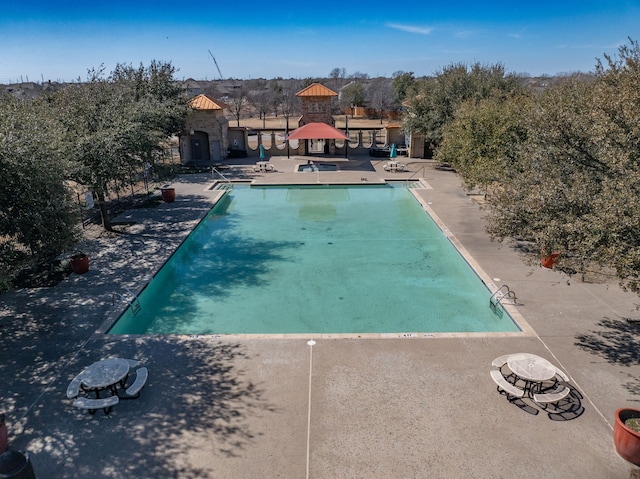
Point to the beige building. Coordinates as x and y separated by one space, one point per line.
205 138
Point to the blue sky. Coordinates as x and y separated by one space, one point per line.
61 40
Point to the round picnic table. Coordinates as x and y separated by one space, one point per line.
104 373
531 367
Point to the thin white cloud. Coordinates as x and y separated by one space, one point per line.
411 28
464 33
518 34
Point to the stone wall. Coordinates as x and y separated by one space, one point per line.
208 126
316 109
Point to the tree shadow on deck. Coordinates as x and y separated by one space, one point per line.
197 407
616 343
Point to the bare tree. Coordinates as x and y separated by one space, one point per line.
259 96
290 103
337 76
238 101
380 95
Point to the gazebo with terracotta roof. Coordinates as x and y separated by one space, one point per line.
205 137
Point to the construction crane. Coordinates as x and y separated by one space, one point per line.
214 61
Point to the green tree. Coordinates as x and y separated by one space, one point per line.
403 83
156 108
115 124
483 141
38 218
577 184
436 99
352 95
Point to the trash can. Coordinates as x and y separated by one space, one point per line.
16 465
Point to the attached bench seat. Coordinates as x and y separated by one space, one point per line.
509 389
500 361
93 405
73 389
133 364
552 397
562 375
133 391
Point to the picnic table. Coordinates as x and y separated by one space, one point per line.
105 374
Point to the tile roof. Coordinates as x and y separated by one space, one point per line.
315 131
316 89
203 102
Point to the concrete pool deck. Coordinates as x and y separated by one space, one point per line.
339 408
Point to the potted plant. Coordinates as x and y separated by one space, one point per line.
3 434
550 261
168 193
626 434
79 263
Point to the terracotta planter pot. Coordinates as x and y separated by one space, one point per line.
3 434
80 263
626 440
550 260
168 194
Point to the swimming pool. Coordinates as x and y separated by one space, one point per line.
315 260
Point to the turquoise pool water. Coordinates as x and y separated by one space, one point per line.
278 260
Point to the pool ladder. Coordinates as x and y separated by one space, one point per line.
227 185
134 303
496 299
